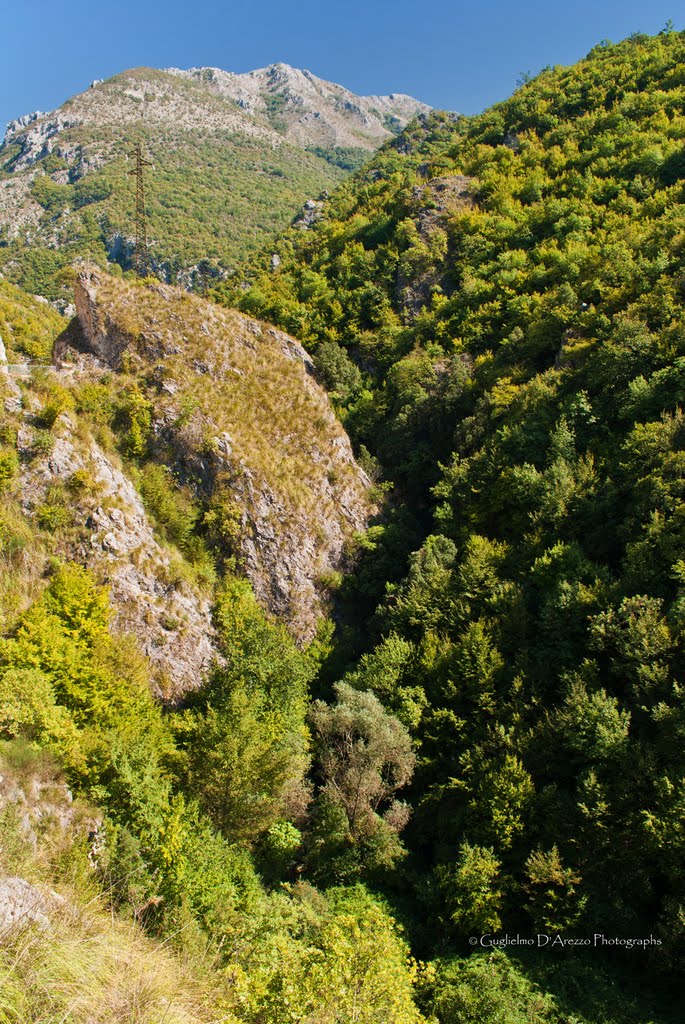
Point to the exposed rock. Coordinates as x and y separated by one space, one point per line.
440 197
196 277
105 339
264 433
311 212
272 115
40 805
23 904
573 349
512 141
194 120
310 110
38 139
172 622
11 393
19 123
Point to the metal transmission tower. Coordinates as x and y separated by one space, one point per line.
141 226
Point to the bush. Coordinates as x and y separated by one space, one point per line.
489 989
338 373
9 466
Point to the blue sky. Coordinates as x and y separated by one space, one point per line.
452 55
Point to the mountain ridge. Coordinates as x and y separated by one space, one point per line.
486 738
225 178
247 89
298 87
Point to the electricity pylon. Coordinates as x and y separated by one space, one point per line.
141 226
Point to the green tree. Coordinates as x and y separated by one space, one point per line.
363 756
472 889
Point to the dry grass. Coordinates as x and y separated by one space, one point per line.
281 424
88 966
89 969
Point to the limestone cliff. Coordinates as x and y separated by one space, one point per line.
113 536
238 416
308 110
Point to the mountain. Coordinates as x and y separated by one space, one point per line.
307 110
498 304
235 157
437 776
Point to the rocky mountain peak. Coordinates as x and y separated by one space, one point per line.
236 156
309 110
19 123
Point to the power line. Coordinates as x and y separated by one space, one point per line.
141 257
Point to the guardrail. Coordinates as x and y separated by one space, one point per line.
24 369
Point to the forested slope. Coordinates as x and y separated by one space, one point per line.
486 737
192 822
497 305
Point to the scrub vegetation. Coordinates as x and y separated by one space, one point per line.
486 739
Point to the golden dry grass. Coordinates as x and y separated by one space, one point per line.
91 969
232 375
88 966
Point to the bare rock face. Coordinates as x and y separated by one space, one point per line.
17 124
172 622
239 416
309 110
105 339
23 904
39 137
311 212
440 197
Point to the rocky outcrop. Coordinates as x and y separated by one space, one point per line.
23 904
17 124
439 198
307 110
239 416
172 622
434 203
311 212
37 138
40 807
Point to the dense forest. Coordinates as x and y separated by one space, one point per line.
486 737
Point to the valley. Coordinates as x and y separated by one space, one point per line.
342 593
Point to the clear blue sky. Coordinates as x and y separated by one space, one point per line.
453 55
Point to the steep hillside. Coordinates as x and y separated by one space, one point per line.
231 455
28 325
235 156
498 306
235 411
486 744
62 951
